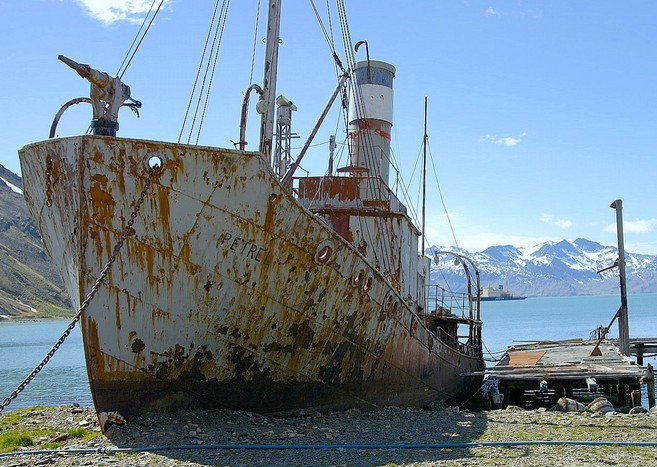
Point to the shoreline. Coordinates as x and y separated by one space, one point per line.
388 437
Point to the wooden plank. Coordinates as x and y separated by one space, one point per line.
525 358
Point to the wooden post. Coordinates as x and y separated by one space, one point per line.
639 354
623 324
568 390
636 398
622 393
650 382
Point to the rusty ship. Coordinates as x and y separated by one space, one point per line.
208 277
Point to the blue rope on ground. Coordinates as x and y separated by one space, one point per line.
329 446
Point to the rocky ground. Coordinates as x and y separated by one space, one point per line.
202 437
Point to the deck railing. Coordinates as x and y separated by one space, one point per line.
464 308
456 303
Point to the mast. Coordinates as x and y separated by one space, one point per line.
623 321
269 80
424 176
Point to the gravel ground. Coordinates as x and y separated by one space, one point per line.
388 427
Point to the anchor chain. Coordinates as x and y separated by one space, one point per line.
85 303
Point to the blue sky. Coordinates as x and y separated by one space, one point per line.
541 113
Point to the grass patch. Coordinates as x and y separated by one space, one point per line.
82 433
77 432
17 429
13 440
10 419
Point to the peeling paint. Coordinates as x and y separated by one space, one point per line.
229 292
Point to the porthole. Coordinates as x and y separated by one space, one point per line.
395 308
413 327
368 284
358 278
391 305
324 252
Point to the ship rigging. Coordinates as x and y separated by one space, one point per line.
238 283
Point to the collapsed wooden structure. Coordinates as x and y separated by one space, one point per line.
537 374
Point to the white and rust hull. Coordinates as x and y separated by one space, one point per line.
224 294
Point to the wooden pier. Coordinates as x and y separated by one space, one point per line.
538 374
643 346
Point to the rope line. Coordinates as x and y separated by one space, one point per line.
198 72
440 193
141 39
255 41
216 47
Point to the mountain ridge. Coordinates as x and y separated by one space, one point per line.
551 268
30 286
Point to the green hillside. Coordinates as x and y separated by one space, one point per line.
30 287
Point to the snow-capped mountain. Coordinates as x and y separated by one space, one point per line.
550 269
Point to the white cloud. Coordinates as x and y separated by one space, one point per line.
481 241
561 223
648 248
110 11
490 11
638 227
504 140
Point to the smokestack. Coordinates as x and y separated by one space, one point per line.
370 118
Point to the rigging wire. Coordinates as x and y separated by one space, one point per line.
203 66
405 187
126 61
380 224
440 193
330 23
342 144
198 71
328 39
222 22
255 42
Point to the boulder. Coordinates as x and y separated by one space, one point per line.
600 405
569 405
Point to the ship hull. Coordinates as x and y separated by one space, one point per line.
226 291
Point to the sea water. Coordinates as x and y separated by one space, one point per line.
63 380
555 318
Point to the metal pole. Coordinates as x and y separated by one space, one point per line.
465 259
424 176
623 321
269 81
286 180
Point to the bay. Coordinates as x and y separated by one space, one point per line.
555 318
63 380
